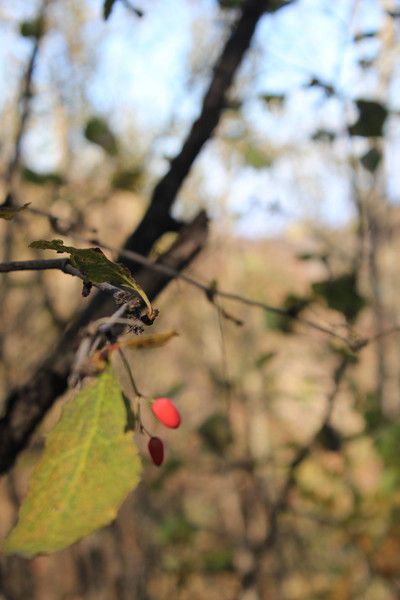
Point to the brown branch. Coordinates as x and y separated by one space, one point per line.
211 291
282 500
281 503
26 406
25 101
61 264
355 343
35 265
157 218
136 11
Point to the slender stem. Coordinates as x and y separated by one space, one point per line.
137 11
356 343
34 265
130 374
216 292
62 264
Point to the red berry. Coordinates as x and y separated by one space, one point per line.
166 412
156 450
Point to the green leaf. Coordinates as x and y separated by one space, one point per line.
256 158
371 159
98 132
306 256
9 212
375 419
264 359
323 135
273 100
277 322
176 530
215 433
341 294
326 87
371 118
230 3
294 305
41 178
88 467
32 28
128 179
107 8
94 264
366 63
329 438
364 35
344 351
218 560
388 445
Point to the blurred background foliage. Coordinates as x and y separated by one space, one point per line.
283 481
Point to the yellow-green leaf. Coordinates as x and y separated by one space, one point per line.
97 362
94 264
9 212
154 340
88 467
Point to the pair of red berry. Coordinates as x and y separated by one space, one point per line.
167 413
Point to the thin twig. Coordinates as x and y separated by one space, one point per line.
34 265
281 503
62 264
209 290
356 343
303 452
129 371
136 11
26 405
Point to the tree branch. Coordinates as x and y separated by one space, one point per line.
281 503
35 265
157 219
61 264
26 406
212 292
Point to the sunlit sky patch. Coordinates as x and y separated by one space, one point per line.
138 76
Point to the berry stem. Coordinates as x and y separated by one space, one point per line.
129 371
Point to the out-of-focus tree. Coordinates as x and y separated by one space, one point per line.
283 480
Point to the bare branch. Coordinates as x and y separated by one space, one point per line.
136 11
34 265
61 264
281 503
355 342
25 102
157 218
209 290
26 406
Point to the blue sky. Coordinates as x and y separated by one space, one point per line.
137 76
